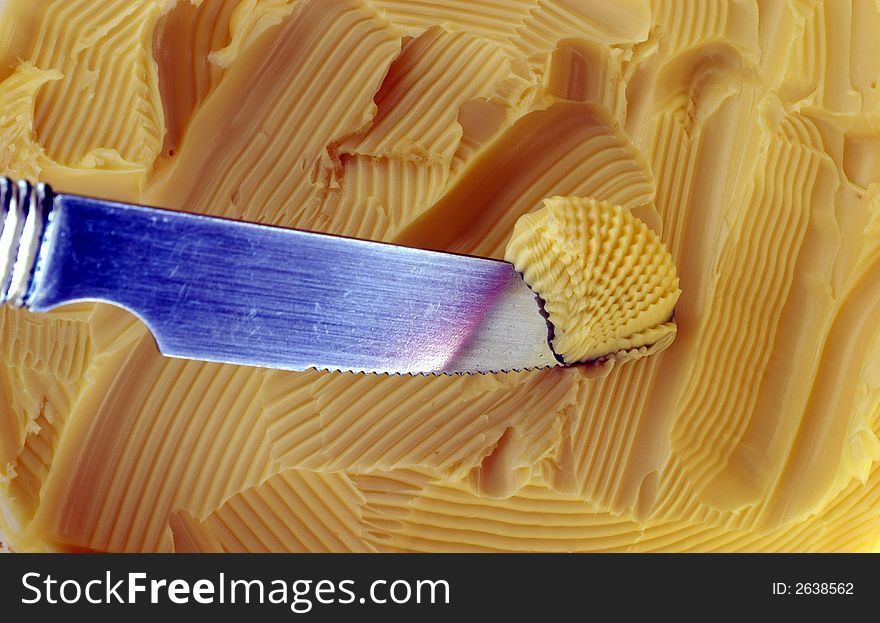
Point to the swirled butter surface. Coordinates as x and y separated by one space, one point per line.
742 133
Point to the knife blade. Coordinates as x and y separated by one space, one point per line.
235 292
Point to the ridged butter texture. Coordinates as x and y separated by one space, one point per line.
743 133
607 283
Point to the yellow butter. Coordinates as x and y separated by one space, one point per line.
608 284
742 133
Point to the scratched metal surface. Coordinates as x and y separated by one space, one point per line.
221 290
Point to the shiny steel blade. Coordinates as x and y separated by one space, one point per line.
227 291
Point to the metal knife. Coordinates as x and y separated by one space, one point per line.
234 292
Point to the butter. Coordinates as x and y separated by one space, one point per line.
608 284
742 135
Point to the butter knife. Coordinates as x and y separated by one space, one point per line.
234 292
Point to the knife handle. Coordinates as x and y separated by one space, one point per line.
24 213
